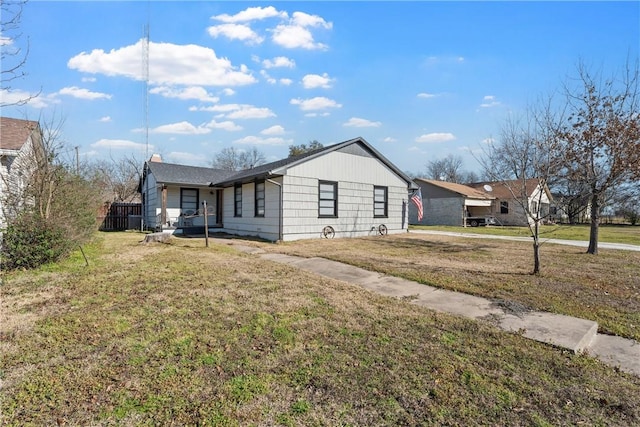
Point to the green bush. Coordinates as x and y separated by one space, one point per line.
30 241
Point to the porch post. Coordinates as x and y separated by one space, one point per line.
163 209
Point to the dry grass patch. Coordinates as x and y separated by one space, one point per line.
184 335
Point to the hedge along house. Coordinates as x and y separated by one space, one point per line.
448 203
348 186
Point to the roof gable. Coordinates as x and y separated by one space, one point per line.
356 146
15 132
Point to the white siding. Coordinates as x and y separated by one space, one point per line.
356 177
248 224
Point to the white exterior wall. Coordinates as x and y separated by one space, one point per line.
13 180
151 200
248 224
356 177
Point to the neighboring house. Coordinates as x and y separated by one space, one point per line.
448 203
18 139
507 209
349 187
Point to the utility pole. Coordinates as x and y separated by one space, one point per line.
77 160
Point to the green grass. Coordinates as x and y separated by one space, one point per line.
607 233
181 334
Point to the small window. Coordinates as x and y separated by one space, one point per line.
328 199
237 200
504 207
259 198
189 200
380 202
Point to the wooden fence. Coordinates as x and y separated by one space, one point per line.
122 216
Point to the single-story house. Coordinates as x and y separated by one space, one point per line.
448 203
18 140
347 189
507 209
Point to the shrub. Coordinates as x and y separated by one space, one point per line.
29 241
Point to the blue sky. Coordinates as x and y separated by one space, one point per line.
418 80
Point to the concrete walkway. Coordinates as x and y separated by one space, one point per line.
578 243
577 335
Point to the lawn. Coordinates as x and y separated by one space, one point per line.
180 334
607 233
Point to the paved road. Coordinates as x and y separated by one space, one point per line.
579 243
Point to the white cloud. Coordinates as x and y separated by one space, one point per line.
436 137
236 32
251 112
120 144
317 114
258 140
88 79
286 82
81 93
237 111
312 81
317 103
426 95
489 101
389 139
267 77
192 92
105 119
169 64
227 125
15 97
228 92
252 14
273 130
6 41
181 128
279 62
296 33
357 122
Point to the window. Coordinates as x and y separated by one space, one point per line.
259 198
237 200
504 207
189 200
380 202
328 199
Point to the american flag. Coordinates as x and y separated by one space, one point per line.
416 198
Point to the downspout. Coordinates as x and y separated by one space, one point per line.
281 213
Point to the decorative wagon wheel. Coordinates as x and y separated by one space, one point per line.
382 229
328 232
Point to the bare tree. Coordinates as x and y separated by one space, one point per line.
233 159
526 152
295 150
449 169
601 135
12 58
117 179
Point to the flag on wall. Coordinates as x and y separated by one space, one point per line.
416 198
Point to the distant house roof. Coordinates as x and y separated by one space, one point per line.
15 132
461 189
279 167
501 189
169 173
